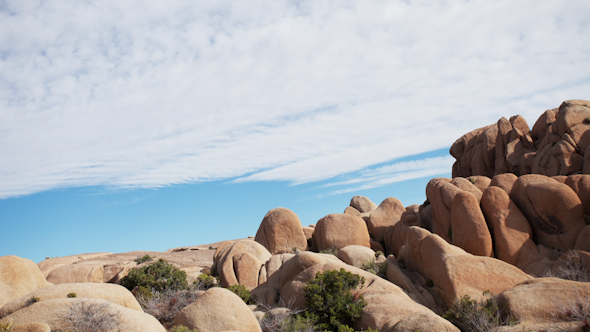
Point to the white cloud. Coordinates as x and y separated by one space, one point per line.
151 93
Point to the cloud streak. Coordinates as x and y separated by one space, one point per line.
150 94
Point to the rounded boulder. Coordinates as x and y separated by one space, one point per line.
19 277
336 231
281 232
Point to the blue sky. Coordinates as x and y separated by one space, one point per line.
150 125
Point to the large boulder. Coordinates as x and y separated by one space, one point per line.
240 262
218 309
387 214
77 273
454 272
510 228
59 313
545 299
19 277
388 307
31 327
468 226
336 231
110 292
553 210
281 232
51 264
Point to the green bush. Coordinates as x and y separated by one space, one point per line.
71 295
182 328
159 276
477 316
205 282
146 258
333 300
243 293
330 251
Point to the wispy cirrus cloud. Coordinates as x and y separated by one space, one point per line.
150 94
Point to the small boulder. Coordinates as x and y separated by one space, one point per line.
227 257
218 309
362 204
468 226
281 232
356 256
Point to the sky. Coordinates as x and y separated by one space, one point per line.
149 125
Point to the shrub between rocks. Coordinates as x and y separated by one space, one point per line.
159 275
477 316
333 300
243 293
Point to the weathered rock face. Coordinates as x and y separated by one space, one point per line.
281 232
387 214
52 312
557 145
388 307
240 263
340 230
218 309
468 226
453 271
19 277
31 327
77 273
395 237
544 299
51 264
553 210
110 292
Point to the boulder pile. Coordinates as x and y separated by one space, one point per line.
512 224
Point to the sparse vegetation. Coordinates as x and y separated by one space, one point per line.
182 328
35 299
71 295
205 282
166 304
87 316
574 310
287 322
574 269
379 253
477 316
333 300
243 293
377 269
159 275
330 251
5 325
146 258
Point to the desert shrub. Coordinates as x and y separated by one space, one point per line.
146 258
287 322
159 276
205 282
182 328
333 300
34 299
86 316
377 269
477 316
330 251
243 293
5 325
72 295
379 253
574 269
576 309
166 304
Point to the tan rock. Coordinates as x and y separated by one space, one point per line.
19 277
440 194
281 232
52 312
363 204
553 210
538 300
388 307
110 292
396 236
31 327
583 240
387 214
232 253
509 227
352 211
51 264
540 127
356 256
247 268
455 273
480 182
466 185
340 230
580 184
376 246
218 309
77 273
504 181
468 226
